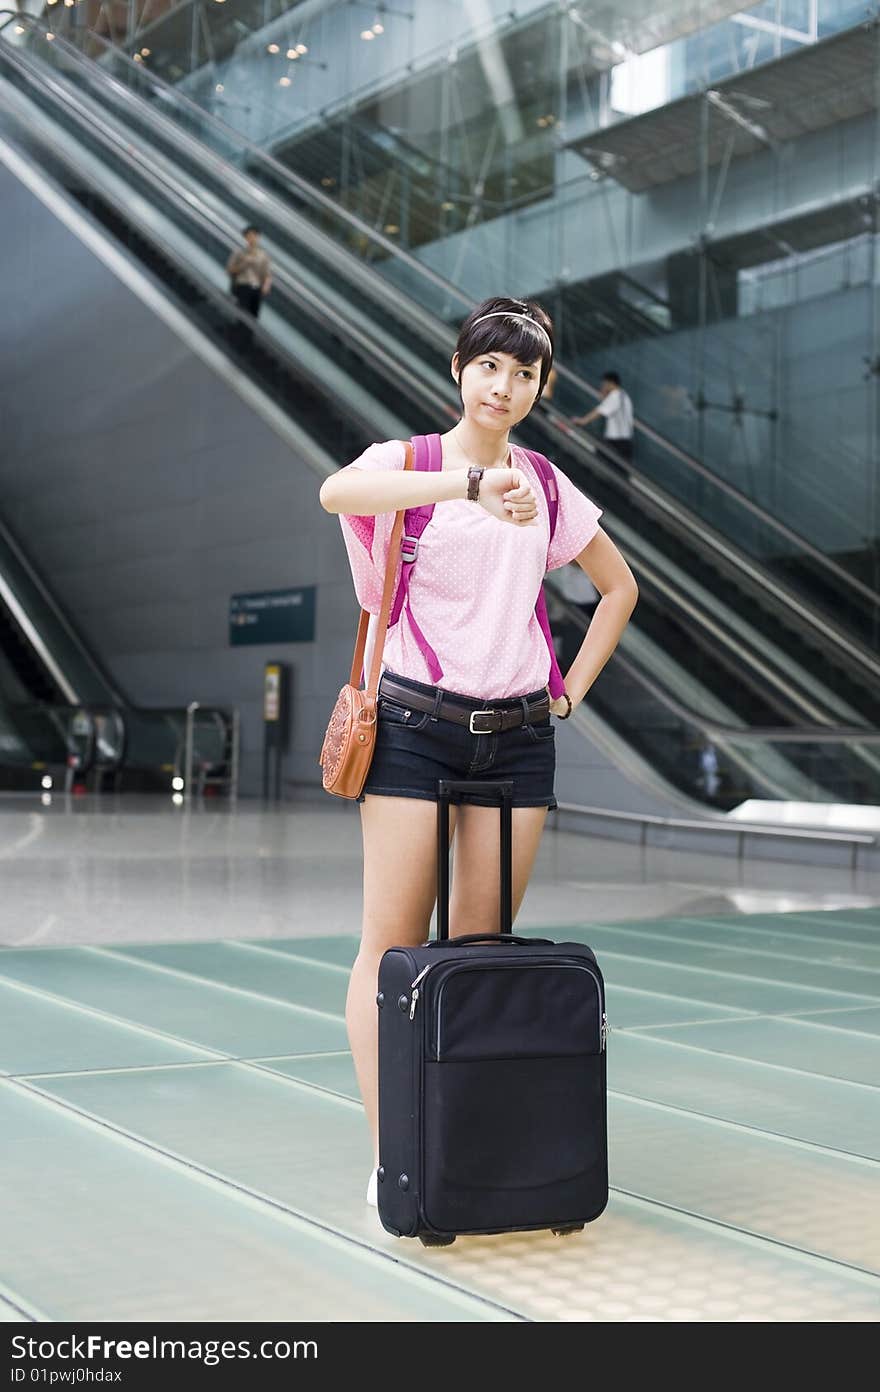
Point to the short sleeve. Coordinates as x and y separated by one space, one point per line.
609 404
577 522
367 538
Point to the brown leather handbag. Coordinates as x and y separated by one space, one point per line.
350 741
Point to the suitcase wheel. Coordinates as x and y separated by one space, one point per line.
435 1240
567 1230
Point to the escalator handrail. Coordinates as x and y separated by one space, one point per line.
327 205
767 734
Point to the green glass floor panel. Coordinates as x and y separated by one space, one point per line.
860 1021
335 1072
860 919
45 1036
788 971
299 983
628 1008
307 1149
696 984
813 1200
121 1234
809 1045
831 925
841 1116
192 1011
734 936
338 952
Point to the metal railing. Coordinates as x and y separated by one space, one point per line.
855 840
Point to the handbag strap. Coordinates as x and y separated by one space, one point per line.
360 644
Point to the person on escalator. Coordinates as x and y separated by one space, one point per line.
616 409
250 272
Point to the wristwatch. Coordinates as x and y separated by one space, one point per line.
474 475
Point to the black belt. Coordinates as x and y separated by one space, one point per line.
479 720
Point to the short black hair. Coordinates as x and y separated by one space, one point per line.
508 331
611 377
251 228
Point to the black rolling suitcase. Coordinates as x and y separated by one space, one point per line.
492 1095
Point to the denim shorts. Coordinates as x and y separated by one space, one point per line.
413 750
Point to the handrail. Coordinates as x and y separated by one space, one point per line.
738 741
741 830
326 204
769 734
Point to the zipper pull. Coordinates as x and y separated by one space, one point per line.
604 1032
415 989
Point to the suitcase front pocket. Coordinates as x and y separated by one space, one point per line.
516 1011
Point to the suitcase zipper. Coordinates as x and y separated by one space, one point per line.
513 966
415 989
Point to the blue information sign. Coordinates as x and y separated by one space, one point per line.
273 616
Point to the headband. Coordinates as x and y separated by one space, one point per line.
511 314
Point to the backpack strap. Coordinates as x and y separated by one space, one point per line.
428 456
544 469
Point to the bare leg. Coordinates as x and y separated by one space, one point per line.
476 885
400 887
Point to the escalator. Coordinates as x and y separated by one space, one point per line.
823 609
356 359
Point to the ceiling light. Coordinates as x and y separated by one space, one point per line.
378 28
219 87
137 57
19 28
447 206
327 182
53 2
302 48
68 3
284 82
146 52
365 33
391 228
292 53
273 48
50 37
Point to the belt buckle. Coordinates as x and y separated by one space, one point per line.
474 715
409 549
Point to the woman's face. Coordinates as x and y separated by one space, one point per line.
497 389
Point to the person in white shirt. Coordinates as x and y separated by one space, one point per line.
617 409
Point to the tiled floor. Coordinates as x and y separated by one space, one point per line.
183 1139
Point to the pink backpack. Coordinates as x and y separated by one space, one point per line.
428 456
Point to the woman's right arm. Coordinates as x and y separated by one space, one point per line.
367 492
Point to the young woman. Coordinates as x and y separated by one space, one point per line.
467 640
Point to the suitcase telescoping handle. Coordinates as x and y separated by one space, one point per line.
451 790
490 938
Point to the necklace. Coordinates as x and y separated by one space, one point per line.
508 458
